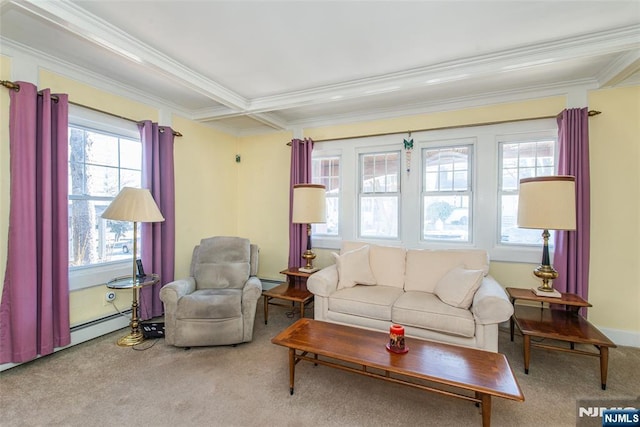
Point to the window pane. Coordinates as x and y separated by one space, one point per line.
96 175
380 172
379 217
446 218
130 154
326 171
526 159
446 193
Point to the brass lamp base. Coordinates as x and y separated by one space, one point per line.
308 256
132 339
546 273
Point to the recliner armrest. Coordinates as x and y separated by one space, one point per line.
323 282
490 303
252 289
173 291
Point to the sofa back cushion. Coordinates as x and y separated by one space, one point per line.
425 268
387 262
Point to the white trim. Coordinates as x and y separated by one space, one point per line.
85 334
622 338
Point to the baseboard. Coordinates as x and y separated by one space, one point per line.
86 332
623 338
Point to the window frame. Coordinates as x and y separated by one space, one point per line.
485 169
87 276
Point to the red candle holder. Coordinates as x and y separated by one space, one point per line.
396 340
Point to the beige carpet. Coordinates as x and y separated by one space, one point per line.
100 384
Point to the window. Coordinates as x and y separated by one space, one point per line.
524 159
105 154
446 193
100 164
326 171
379 194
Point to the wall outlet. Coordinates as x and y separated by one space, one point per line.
109 297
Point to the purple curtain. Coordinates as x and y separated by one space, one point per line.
34 314
571 254
158 238
300 174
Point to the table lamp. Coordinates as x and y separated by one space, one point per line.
547 203
309 207
136 205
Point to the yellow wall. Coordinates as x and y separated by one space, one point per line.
206 178
263 199
614 286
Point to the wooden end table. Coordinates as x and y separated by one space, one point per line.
563 325
294 290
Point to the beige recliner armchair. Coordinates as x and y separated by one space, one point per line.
217 304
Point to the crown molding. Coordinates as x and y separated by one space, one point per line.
452 104
99 81
621 69
606 42
99 32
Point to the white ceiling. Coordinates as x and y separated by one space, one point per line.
248 66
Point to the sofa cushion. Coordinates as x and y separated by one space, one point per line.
425 310
374 302
458 287
426 267
210 304
353 268
387 262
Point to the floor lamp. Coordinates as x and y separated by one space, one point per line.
135 205
309 207
547 203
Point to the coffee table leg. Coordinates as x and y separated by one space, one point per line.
527 351
604 363
292 369
302 310
486 409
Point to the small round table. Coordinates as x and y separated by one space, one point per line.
126 282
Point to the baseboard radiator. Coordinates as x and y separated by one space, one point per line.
90 330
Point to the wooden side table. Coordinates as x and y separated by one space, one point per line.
294 290
562 325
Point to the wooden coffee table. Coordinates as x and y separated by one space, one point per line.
476 375
557 324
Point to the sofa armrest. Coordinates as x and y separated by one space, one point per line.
490 303
252 289
323 282
173 291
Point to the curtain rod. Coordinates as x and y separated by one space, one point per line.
15 86
591 114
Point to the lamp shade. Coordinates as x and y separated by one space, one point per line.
309 204
547 203
133 204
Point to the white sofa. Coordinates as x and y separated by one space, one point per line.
440 295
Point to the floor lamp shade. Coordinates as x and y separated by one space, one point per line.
309 207
133 204
547 203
